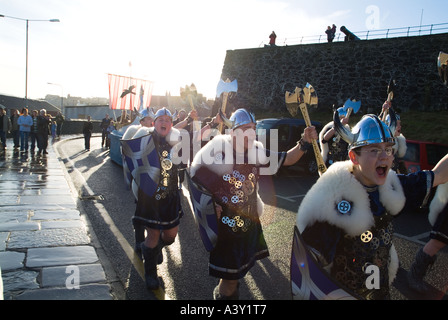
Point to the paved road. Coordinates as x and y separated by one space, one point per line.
110 206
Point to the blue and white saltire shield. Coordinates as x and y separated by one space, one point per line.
141 163
203 209
308 280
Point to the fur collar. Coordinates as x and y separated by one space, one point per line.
137 131
211 153
337 184
400 146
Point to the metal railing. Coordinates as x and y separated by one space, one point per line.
367 35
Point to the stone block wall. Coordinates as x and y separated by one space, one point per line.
341 70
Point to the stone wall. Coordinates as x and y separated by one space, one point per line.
341 70
75 126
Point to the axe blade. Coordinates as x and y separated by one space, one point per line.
193 89
352 104
224 86
292 101
310 95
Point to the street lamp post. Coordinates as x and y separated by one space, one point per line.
26 63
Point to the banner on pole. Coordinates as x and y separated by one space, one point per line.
127 93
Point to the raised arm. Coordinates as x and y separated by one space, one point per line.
294 154
441 171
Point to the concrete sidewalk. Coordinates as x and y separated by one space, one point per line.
46 251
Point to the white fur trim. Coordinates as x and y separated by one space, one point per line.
337 184
438 203
400 146
142 131
206 156
130 132
392 194
173 136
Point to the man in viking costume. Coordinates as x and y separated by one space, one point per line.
345 219
229 167
146 121
332 147
438 216
148 160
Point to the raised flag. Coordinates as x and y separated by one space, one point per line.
127 93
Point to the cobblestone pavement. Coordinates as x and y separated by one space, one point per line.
46 249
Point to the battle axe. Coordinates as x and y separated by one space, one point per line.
390 96
304 98
224 88
351 106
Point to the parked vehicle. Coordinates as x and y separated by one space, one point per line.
289 132
422 155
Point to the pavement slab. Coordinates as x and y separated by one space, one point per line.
46 250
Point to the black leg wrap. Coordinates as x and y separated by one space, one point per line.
150 256
419 269
161 245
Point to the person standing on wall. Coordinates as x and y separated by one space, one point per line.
272 38
330 33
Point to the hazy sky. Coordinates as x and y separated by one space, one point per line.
170 42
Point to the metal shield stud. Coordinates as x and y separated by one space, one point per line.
366 236
166 164
344 207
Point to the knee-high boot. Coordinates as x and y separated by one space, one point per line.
139 233
418 270
150 256
161 245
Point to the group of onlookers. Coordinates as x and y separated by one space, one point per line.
29 130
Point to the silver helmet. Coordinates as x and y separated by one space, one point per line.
146 113
162 112
369 130
238 118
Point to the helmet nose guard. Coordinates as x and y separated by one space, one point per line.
369 130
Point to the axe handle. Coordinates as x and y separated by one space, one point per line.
390 96
196 126
320 161
190 100
225 95
349 112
